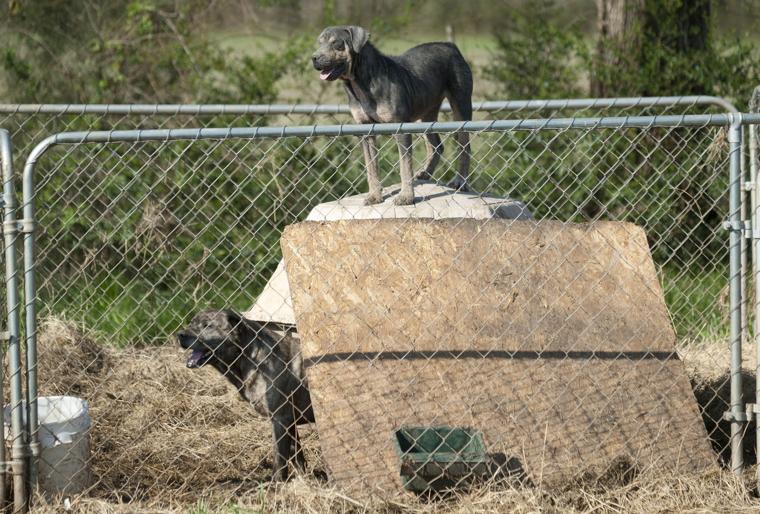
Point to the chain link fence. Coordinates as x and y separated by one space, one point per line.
30 123
137 231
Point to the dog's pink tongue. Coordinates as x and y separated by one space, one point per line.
194 358
324 74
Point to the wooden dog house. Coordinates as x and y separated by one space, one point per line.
551 339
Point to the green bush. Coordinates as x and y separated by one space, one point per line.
136 237
535 56
130 51
669 181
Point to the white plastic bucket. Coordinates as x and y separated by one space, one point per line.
64 436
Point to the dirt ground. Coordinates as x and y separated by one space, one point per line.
169 439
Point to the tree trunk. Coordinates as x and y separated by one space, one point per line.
615 18
618 23
629 31
684 28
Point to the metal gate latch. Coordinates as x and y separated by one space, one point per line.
743 227
741 417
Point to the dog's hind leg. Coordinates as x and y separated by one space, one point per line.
375 194
461 107
283 423
434 149
406 195
434 153
299 460
282 447
460 181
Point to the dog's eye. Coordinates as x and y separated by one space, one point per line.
338 45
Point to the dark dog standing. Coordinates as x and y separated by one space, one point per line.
265 369
404 88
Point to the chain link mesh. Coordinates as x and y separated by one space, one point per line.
136 238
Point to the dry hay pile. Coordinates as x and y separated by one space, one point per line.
169 439
69 363
719 491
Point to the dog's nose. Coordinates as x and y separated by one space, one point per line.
314 59
183 339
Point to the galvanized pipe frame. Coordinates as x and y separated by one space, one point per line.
734 121
16 467
737 408
754 167
312 109
304 131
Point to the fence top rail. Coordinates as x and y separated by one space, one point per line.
284 109
617 122
404 128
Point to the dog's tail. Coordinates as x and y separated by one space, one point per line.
459 86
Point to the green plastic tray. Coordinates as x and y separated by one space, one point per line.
435 458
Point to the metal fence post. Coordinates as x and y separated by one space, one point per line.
755 215
30 309
10 231
745 213
6 157
738 415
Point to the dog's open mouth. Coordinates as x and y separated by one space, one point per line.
198 358
332 73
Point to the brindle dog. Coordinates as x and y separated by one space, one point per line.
404 88
265 369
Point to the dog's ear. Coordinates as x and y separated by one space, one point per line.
359 38
233 318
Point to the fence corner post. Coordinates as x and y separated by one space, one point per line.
737 413
10 234
754 160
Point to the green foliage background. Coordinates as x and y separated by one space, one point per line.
135 238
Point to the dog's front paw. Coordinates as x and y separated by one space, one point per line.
458 184
373 199
404 199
